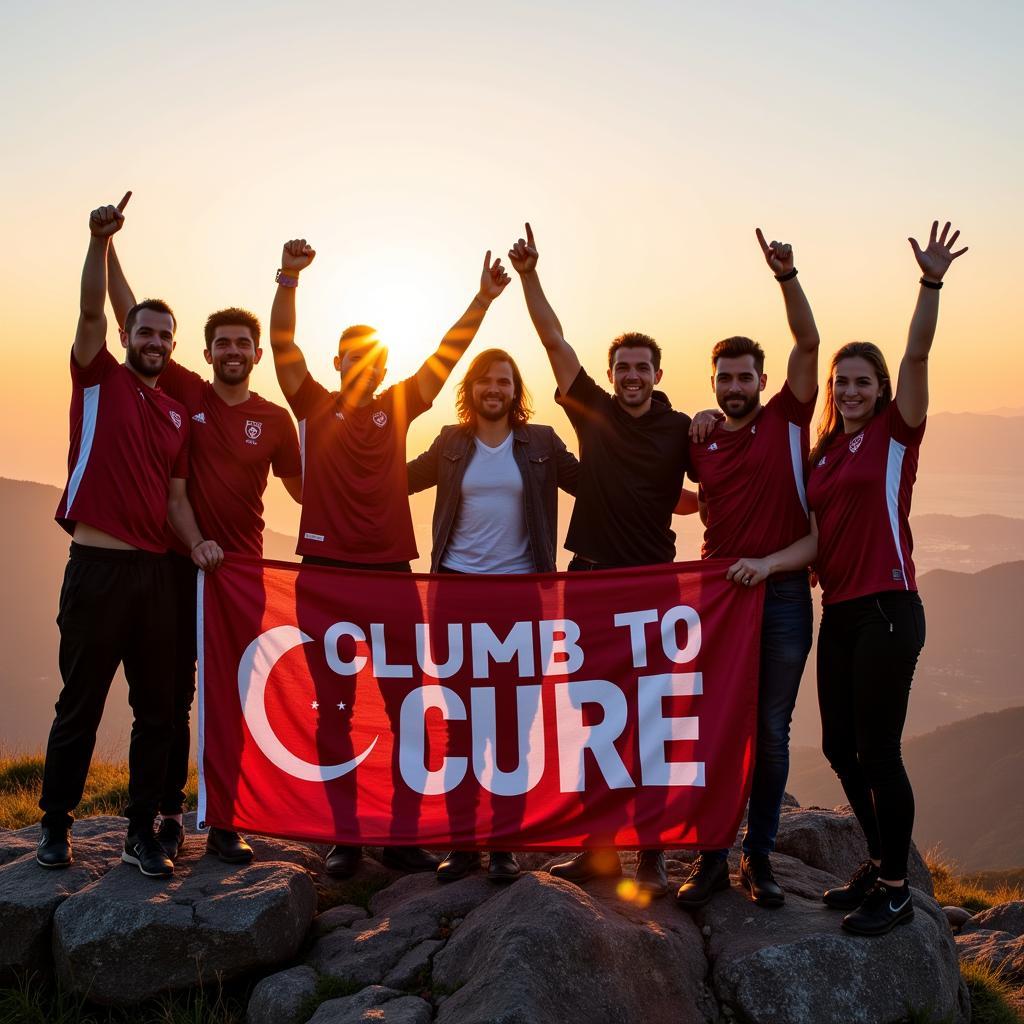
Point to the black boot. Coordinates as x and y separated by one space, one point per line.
170 835
851 895
54 850
588 865
408 858
503 867
884 907
343 861
707 876
229 846
142 850
457 865
651 874
756 876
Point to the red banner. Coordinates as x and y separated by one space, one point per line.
512 712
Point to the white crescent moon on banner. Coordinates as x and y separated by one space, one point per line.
257 663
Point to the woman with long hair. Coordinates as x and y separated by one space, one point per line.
862 472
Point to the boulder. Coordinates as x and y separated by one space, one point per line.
794 965
544 951
1006 917
999 951
833 841
278 998
125 937
957 917
337 917
378 1004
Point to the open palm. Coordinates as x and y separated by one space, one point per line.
934 260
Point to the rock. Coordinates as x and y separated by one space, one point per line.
337 917
956 916
833 842
544 951
30 894
277 998
794 965
377 1003
1006 917
125 937
397 942
997 950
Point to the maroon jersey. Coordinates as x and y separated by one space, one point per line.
859 491
232 450
127 441
752 480
355 503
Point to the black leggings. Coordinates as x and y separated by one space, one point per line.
867 652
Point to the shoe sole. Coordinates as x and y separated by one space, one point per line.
227 860
127 858
696 905
503 879
902 919
60 864
843 906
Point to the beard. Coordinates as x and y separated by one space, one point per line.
633 397
493 415
145 366
729 405
230 374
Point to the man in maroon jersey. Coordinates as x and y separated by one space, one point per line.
236 439
127 464
750 468
355 509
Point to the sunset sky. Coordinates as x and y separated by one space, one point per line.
644 142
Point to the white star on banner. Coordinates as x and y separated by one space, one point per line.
341 706
315 705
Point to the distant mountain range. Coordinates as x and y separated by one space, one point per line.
967 786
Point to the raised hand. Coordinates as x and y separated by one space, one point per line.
523 255
778 255
934 261
297 255
493 279
105 221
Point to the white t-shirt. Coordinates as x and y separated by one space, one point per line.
490 533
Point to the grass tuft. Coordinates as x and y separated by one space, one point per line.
326 988
992 998
973 893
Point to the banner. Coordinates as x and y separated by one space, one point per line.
551 711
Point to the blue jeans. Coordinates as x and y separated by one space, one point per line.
785 643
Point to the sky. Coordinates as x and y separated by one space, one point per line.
643 141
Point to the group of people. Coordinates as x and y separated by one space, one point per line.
167 470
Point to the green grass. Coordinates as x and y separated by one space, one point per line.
992 998
972 892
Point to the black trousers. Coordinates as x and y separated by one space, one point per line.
116 607
172 797
867 652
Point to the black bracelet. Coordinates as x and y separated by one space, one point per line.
931 284
787 276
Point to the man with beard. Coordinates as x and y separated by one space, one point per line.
127 465
750 468
236 439
355 504
633 457
496 509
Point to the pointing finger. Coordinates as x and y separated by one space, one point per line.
124 201
764 245
487 260
529 234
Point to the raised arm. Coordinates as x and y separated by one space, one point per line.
564 361
91 335
122 298
289 362
912 384
430 377
802 371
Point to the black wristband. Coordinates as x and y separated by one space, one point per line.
787 276
931 284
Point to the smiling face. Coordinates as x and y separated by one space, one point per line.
233 353
737 385
151 342
633 376
856 389
492 393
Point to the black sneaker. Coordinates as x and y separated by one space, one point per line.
884 907
756 876
147 855
588 865
503 867
229 846
651 873
707 876
54 850
170 835
408 858
457 865
851 895
343 861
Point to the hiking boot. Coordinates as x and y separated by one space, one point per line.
54 850
503 867
651 873
229 846
170 835
408 858
142 850
756 876
851 895
707 876
457 865
884 907
343 861
588 865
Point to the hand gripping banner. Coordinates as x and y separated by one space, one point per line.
507 712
